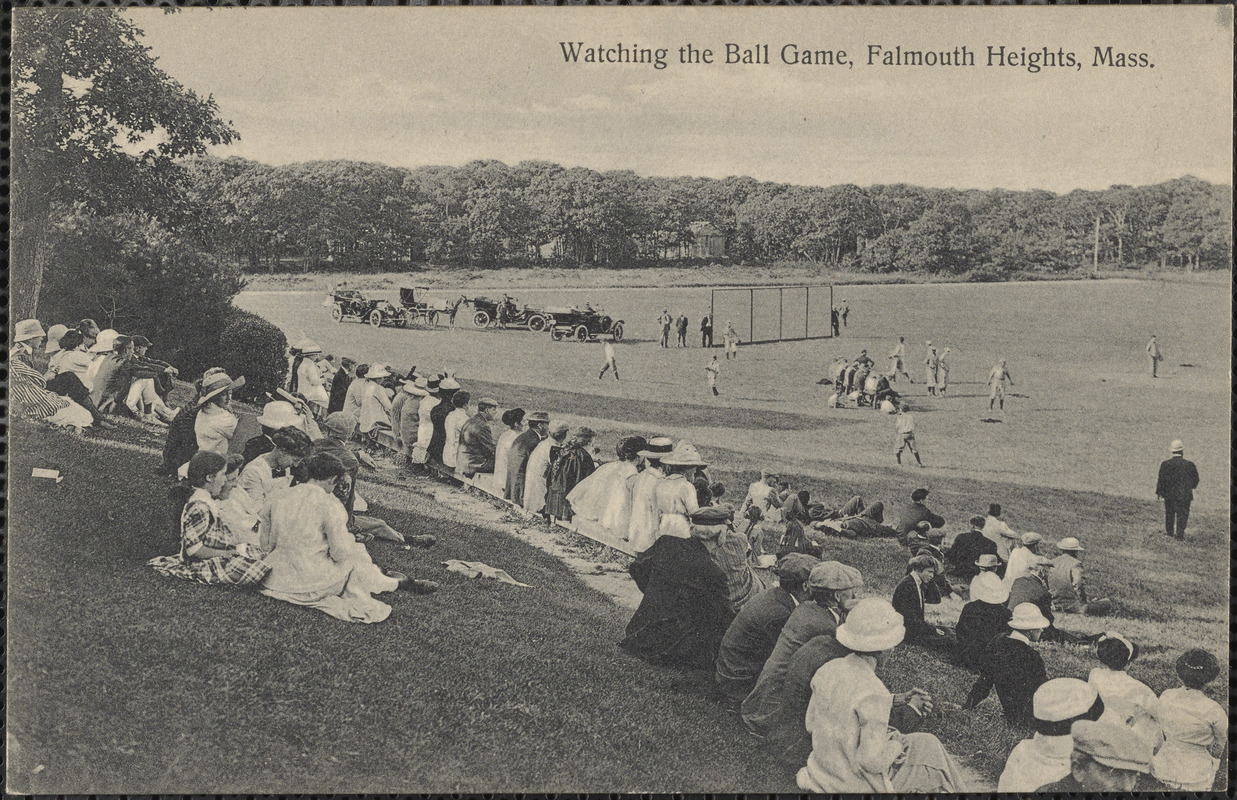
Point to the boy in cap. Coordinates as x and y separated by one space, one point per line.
1106 758
1045 757
1013 666
1177 481
751 637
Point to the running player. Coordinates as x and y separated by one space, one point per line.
898 357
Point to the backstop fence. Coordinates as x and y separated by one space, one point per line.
763 314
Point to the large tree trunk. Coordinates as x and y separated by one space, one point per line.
30 247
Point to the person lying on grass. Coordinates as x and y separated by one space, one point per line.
854 748
314 561
209 551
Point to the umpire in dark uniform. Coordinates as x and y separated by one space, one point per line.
1178 479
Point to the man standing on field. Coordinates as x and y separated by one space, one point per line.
906 434
1177 482
665 321
1153 355
711 371
898 357
706 331
996 384
610 364
681 329
931 363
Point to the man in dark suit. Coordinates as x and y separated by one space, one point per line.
1013 666
521 449
966 550
914 517
909 598
706 331
1178 479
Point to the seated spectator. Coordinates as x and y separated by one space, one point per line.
730 550
998 532
604 497
152 381
513 419
29 390
1022 557
271 471
983 618
966 549
1195 727
476 453
182 441
89 329
1045 757
1105 758
854 748
452 426
537 469
406 412
1013 666
209 553
573 464
832 587
66 373
306 378
750 639
914 517
795 507
340 385
939 588
675 495
103 347
313 559
215 423
54 334
375 410
237 510
275 415
684 613
1065 581
435 450
114 375
910 597
1127 700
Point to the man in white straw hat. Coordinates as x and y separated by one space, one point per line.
1045 757
1177 481
307 377
854 750
29 389
1105 758
1022 557
1013 666
1065 582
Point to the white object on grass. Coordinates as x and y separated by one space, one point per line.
39 472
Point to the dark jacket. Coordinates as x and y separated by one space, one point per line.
911 515
1178 480
1016 670
978 624
517 464
749 640
438 439
573 465
906 602
182 441
256 446
1030 589
965 551
339 391
476 446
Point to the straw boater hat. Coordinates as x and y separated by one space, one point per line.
872 626
378 371
418 386
1028 617
987 561
988 588
657 447
28 329
1070 545
279 414
684 455
53 337
105 341
1060 702
216 384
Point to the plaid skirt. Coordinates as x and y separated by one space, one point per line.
235 570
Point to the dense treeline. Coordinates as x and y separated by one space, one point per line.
346 215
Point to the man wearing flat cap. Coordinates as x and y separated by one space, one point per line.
1176 484
751 637
477 440
521 449
1107 757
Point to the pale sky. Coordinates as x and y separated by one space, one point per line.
415 86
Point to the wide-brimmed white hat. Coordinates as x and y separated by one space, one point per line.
684 454
279 414
1063 698
1028 617
449 383
871 626
53 337
106 341
416 388
28 329
308 347
988 588
378 371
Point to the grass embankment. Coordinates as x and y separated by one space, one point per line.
121 680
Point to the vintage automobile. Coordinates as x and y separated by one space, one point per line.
583 324
352 304
417 310
488 312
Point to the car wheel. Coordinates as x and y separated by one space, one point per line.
481 319
581 333
556 335
617 331
536 324
337 312
375 318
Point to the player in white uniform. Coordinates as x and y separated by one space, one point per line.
611 364
996 384
898 357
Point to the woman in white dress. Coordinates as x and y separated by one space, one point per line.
535 476
309 381
643 516
1195 727
514 420
1127 700
216 424
676 495
605 496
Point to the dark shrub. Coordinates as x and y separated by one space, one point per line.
253 347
